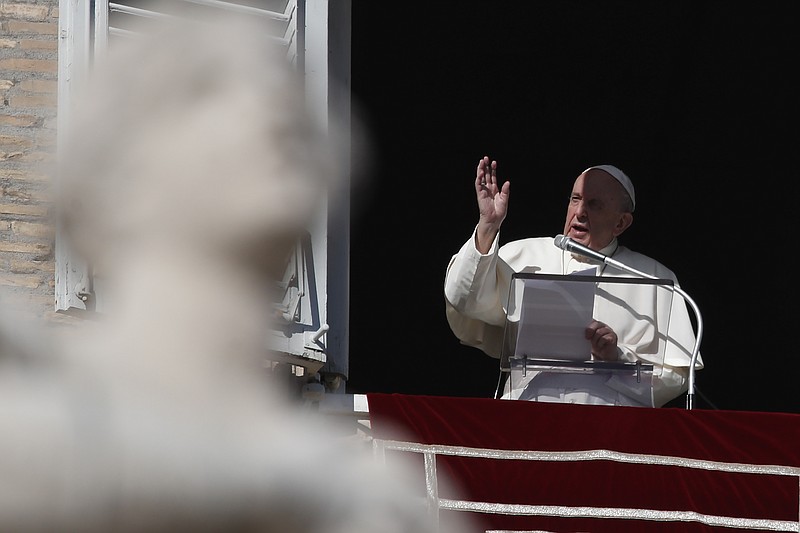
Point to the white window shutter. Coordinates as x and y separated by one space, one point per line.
311 330
73 284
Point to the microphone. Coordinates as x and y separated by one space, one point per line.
565 243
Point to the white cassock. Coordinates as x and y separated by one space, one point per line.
476 291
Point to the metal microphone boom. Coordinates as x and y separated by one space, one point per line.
565 243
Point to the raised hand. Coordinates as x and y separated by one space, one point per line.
492 203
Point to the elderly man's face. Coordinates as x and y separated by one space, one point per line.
594 213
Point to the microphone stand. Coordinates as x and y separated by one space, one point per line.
696 350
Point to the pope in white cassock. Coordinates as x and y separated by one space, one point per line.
630 323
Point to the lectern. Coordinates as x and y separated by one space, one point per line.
545 322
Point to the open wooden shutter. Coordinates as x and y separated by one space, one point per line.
311 331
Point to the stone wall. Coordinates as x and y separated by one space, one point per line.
29 90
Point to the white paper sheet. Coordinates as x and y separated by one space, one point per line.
553 317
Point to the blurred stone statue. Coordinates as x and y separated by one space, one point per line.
191 168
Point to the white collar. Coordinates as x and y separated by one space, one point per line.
607 251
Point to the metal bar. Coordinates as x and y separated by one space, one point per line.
122 33
591 455
654 515
432 486
121 8
241 9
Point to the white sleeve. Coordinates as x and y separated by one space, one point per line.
471 283
672 382
681 335
474 297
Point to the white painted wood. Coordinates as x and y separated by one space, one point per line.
101 8
327 74
317 40
71 274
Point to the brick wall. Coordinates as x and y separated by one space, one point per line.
28 87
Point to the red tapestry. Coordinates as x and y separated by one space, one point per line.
603 469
